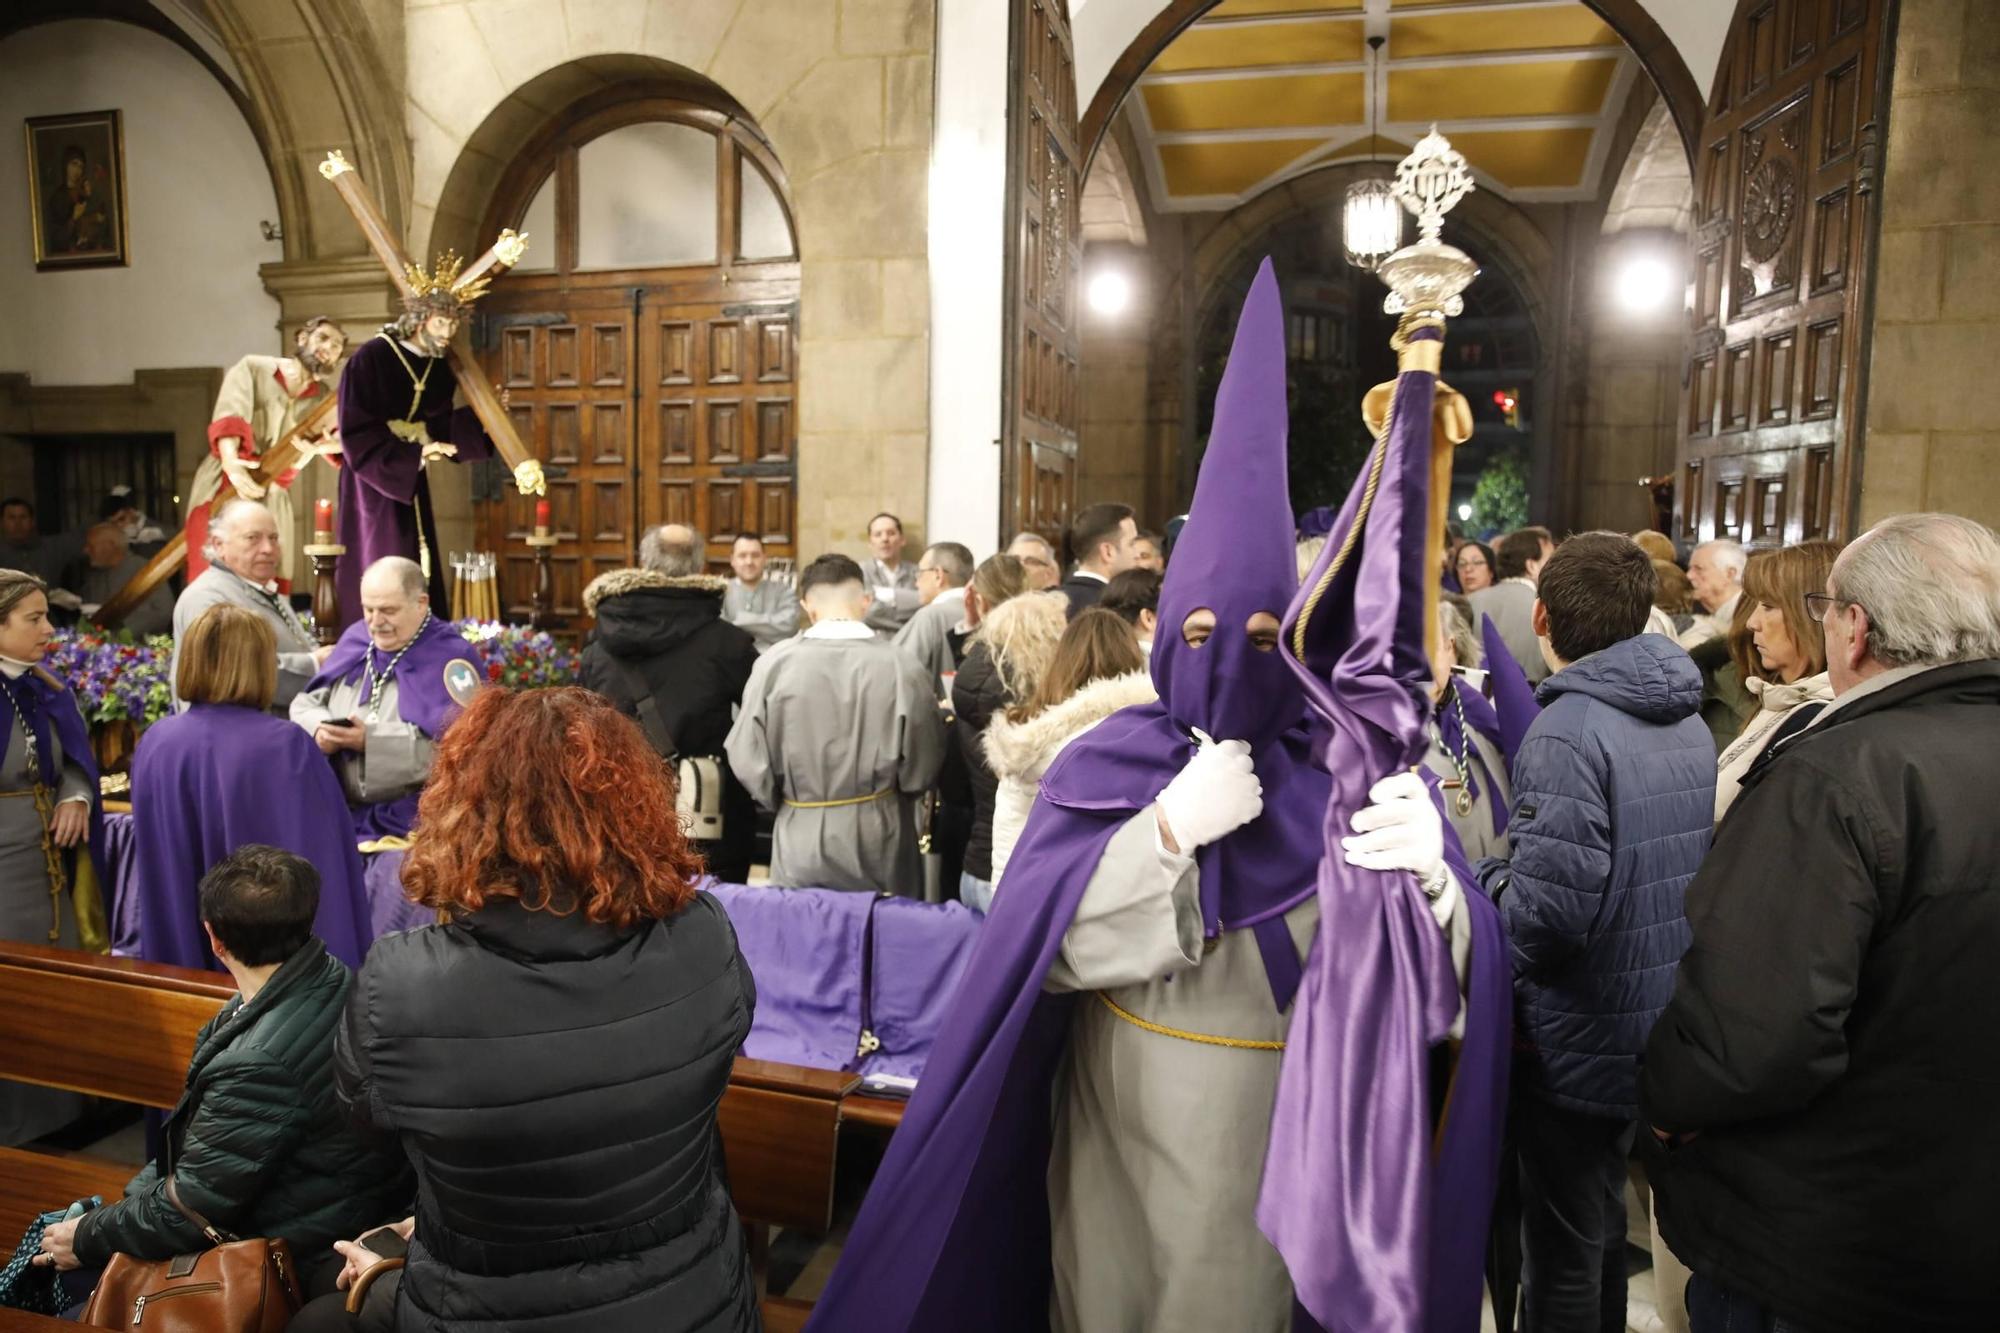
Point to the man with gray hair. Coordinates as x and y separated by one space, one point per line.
244 552
1038 558
936 634
1716 571
1821 1087
666 657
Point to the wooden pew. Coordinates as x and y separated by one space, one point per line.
118 1028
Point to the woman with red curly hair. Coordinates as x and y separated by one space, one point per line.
553 1053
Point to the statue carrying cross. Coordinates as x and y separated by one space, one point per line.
396 405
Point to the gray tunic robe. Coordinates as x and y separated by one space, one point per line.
26 913
767 609
840 736
1159 1142
889 613
395 758
217 586
1476 833
927 636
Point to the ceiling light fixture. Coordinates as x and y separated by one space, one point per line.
1371 222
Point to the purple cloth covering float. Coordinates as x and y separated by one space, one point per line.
805 948
1379 1228
954 1233
422 700
121 857
1514 702
385 498
916 953
209 780
389 907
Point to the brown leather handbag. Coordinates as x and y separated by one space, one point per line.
240 1286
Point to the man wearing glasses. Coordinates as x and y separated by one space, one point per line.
1821 1087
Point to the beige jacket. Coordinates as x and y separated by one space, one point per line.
1019 753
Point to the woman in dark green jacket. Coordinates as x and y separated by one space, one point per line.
256 1144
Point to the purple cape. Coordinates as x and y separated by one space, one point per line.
421 699
209 780
52 706
384 494
1514 702
1380 1213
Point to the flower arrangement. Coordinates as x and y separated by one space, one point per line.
116 677
518 657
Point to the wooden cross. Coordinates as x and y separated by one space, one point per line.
287 453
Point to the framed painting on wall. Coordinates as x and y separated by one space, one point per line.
76 189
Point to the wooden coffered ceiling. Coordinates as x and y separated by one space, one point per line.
1257 91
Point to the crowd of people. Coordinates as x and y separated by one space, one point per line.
1726 812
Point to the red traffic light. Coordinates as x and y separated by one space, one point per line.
1503 400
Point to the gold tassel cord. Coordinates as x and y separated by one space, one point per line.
1199 1038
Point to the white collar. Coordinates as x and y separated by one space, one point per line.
1873 685
1081 573
268 589
949 597
838 629
14 669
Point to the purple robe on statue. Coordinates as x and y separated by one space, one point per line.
385 498
955 1232
209 780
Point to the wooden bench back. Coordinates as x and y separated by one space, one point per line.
123 1029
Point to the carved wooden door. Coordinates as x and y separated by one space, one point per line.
1044 261
1785 209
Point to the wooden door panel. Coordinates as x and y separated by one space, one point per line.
1785 218
1043 268
725 430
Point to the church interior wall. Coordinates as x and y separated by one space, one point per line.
843 91
197 188
1931 440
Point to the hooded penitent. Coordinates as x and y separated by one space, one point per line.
955 1231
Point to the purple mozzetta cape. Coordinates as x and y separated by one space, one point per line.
51 707
1380 1211
385 499
955 1231
1514 705
209 780
421 698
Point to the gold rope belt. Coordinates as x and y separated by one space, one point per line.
851 800
1200 1038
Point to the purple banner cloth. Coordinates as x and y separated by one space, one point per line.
1376 1233
1514 700
209 780
121 885
389 907
916 952
805 949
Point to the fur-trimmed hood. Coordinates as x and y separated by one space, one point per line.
1024 750
621 581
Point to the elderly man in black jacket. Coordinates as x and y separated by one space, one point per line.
257 1145
1823 1085
664 654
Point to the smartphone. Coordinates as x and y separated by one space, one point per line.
384 1241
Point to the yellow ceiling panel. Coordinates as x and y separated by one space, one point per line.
1537 88
1475 33
1236 9
1245 45
1227 168
1528 159
1278 102
1374 145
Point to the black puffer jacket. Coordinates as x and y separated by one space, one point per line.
555 1083
977 693
257 1144
667 635
1830 1044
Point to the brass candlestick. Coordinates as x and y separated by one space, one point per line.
544 615
324 553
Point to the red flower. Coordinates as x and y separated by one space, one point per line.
493 671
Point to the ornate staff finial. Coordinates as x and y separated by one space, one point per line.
1426 279
336 164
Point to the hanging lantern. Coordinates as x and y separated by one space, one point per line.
1371 225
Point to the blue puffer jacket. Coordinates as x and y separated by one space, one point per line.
1614 798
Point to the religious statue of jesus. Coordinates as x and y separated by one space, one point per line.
396 418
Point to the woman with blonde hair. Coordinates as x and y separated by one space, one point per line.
50 821
1096 670
1782 658
1010 649
225 773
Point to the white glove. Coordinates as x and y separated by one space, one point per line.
1401 829
1217 793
